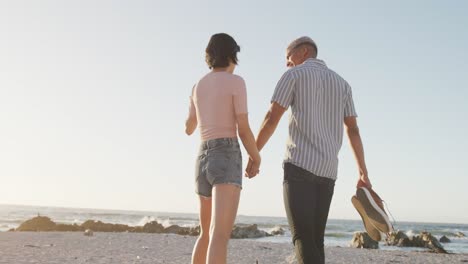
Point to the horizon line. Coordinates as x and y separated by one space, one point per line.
173 212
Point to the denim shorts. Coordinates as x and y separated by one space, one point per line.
219 162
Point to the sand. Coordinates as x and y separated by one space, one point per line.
74 247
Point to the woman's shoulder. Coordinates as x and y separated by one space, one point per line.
238 79
235 79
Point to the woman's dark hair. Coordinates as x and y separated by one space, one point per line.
221 49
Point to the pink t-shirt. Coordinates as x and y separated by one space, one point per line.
216 100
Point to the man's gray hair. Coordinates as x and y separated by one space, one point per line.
300 41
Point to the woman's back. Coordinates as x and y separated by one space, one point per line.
217 98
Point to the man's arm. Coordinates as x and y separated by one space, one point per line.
267 129
354 136
269 124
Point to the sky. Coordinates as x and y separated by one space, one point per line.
94 97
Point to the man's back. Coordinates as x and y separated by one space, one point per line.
319 100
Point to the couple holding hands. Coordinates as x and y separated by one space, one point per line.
321 109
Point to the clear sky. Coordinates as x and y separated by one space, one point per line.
94 95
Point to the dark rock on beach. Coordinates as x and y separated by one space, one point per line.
363 240
444 239
432 243
250 231
175 229
397 239
425 239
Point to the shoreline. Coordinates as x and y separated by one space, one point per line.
107 247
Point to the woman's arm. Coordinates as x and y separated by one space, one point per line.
191 124
248 140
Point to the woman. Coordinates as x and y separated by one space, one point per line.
218 105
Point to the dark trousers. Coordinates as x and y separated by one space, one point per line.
307 199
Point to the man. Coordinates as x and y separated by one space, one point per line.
321 102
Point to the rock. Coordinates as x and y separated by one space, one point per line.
153 227
11 230
175 229
425 239
250 231
363 240
38 223
105 227
66 228
459 234
405 242
432 243
444 239
194 231
88 232
277 231
393 239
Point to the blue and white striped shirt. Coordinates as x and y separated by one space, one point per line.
319 100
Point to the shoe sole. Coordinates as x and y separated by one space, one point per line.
370 228
375 214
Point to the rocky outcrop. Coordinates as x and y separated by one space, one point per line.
250 231
68 228
98 226
175 229
425 239
363 240
397 238
38 223
194 231
429 241
460 234
151 227
42 223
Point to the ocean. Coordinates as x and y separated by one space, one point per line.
338 232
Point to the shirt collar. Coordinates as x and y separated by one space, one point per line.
315 61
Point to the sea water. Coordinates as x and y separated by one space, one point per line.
338 232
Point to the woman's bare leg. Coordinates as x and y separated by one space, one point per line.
225 203
201 246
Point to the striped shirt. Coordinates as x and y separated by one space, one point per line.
320 99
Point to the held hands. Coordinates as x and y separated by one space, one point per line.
253 167
363 179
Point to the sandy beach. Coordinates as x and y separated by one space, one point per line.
74 247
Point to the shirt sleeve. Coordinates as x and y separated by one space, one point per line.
240 99
284 91
192 110
349 109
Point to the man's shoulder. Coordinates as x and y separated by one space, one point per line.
307 69
337 76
